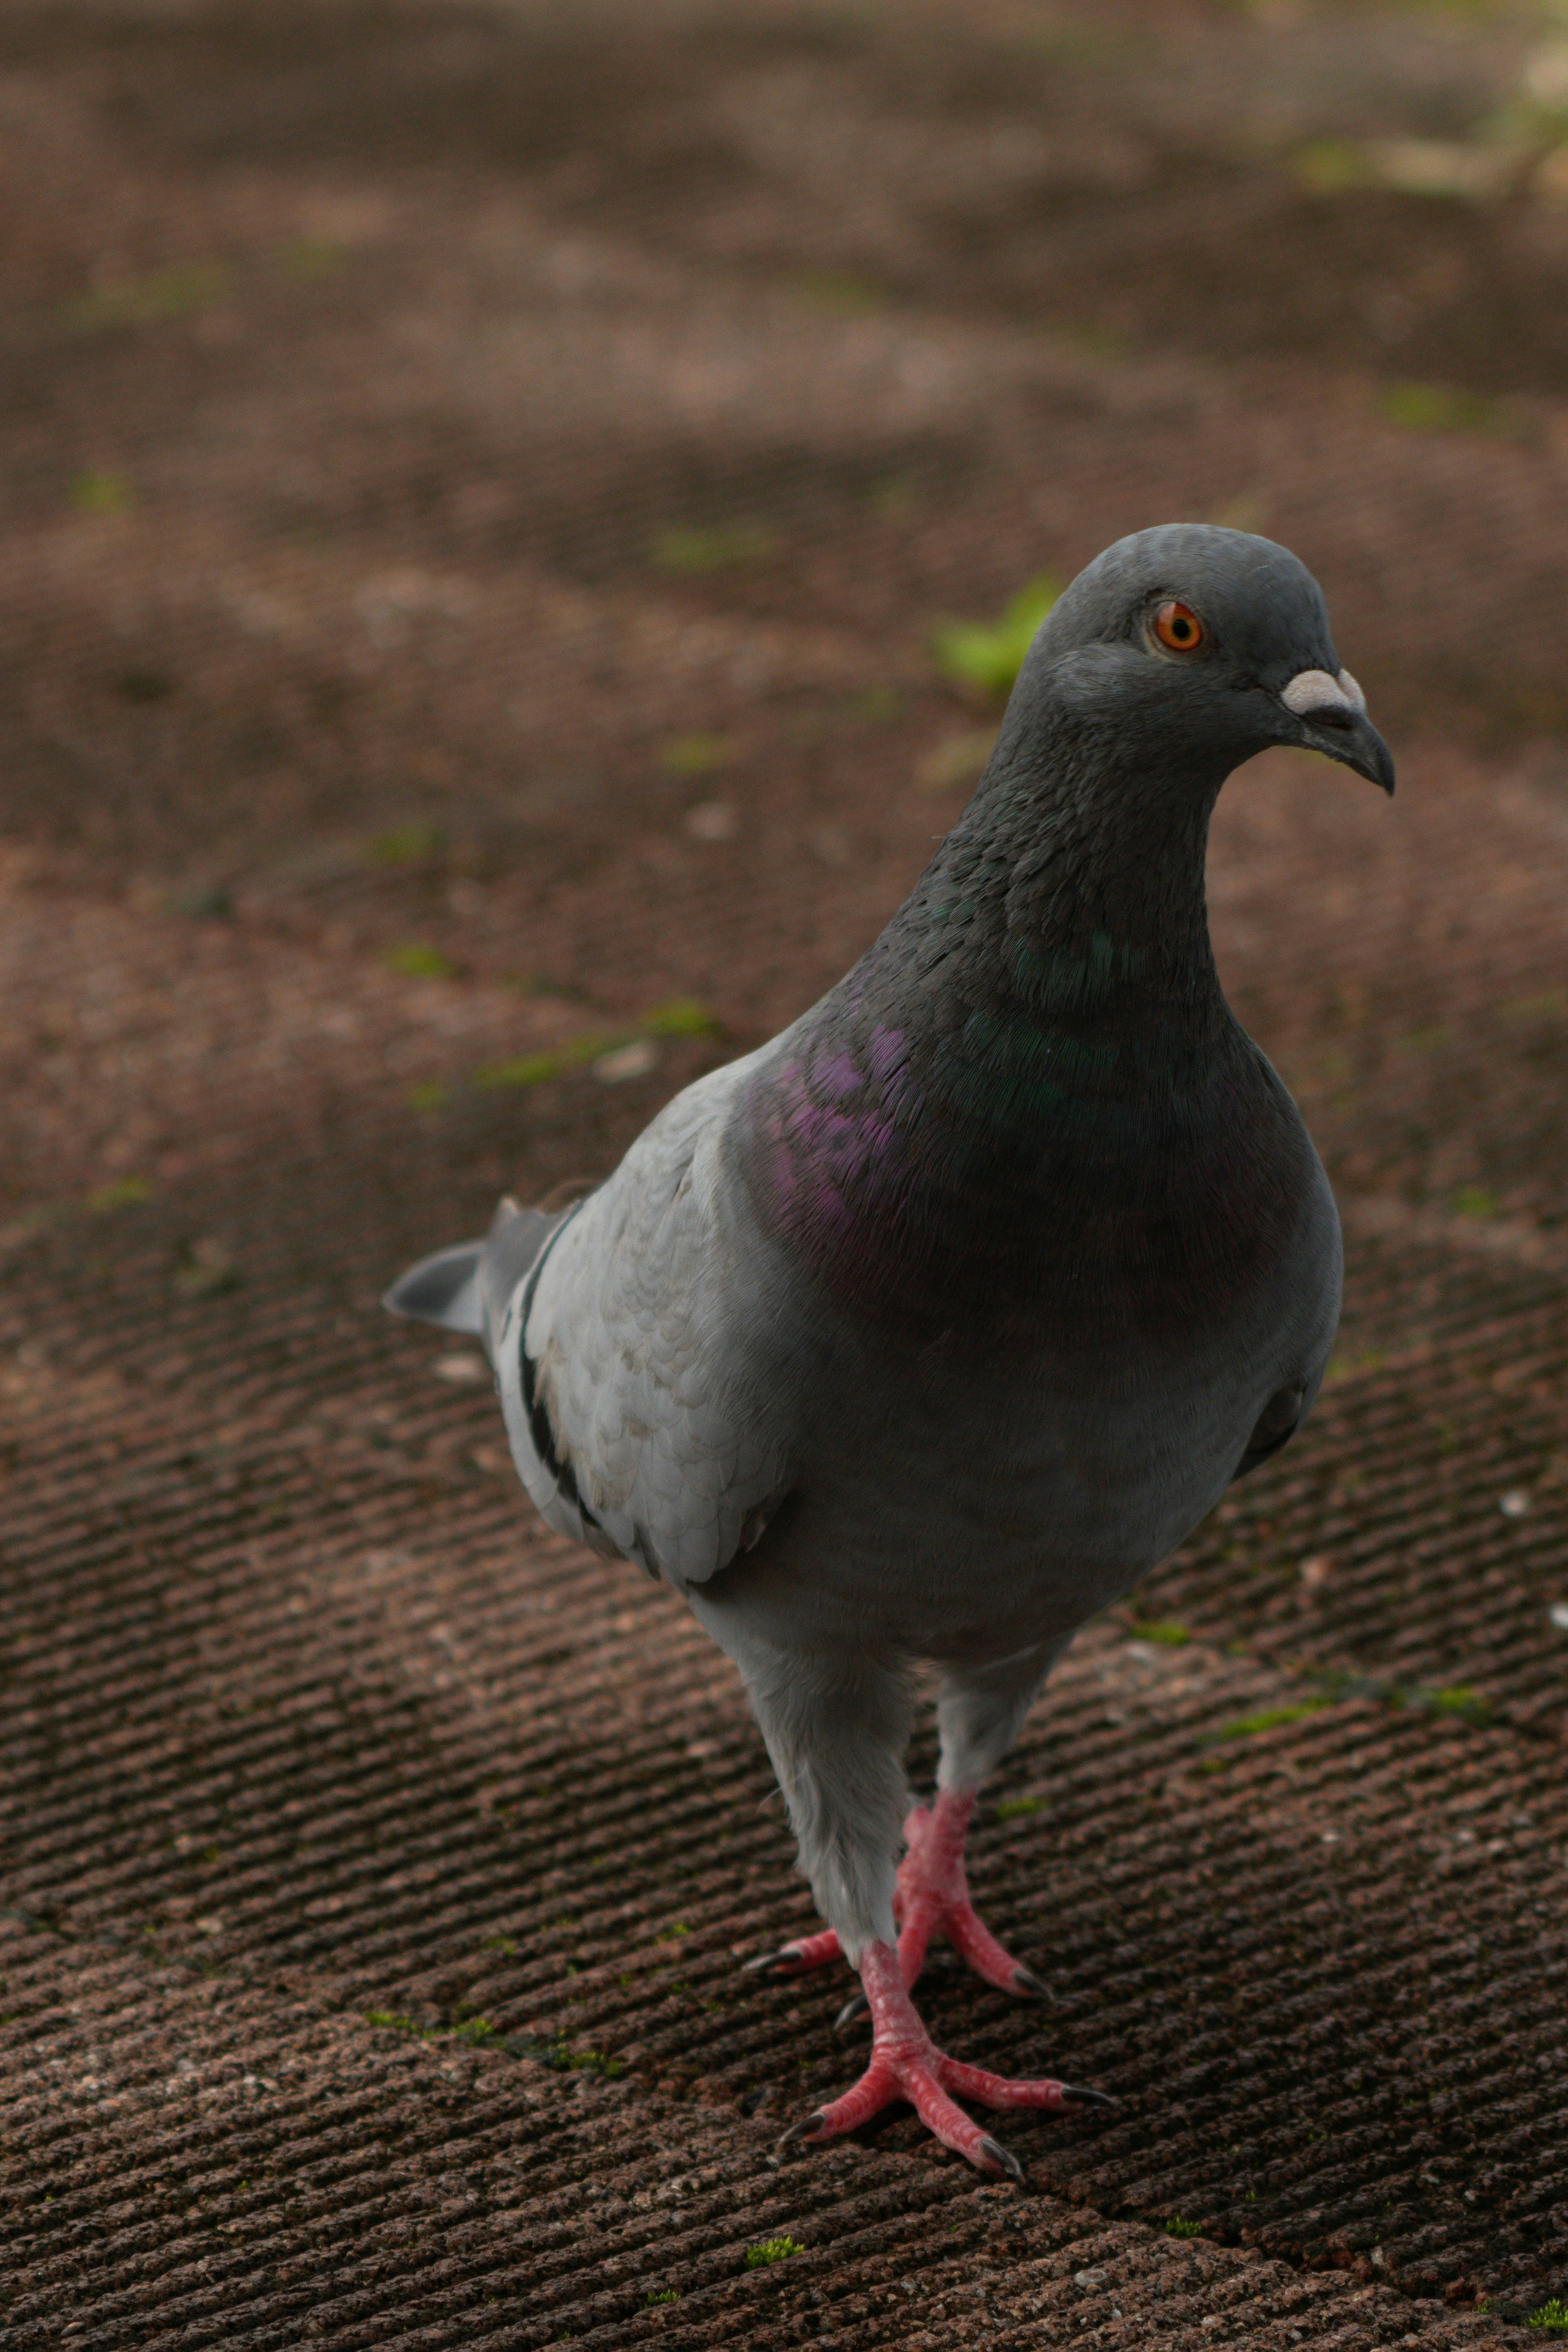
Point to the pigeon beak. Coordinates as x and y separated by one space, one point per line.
1330 716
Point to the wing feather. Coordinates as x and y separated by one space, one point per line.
651 1405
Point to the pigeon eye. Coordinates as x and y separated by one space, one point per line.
1178 626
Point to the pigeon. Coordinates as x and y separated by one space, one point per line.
923 1332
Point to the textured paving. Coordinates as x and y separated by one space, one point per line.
481 484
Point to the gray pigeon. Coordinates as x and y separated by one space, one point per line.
926 1330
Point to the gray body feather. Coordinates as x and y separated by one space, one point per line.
864 1397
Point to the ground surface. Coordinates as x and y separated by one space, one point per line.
480 483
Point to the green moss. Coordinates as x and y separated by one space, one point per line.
669 2295
140 301
123 1192
429 1095
1163 1630
1327 166
1459 1699
1552 2318
1270 1718
1011 1808
1437 409
723 548
772 2250
418 961
556 2052
990 656
101 494
695 755
307 258
683 1016
1177 2228
840 292
1475 1200
523 1070
406 845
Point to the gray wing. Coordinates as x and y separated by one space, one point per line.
651 1382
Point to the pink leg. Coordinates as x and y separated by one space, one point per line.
906 2065
931 1892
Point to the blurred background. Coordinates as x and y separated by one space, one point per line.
520 521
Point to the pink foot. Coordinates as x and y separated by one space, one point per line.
930 1892
906 2065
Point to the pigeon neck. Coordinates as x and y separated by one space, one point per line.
1015 1074
1084 906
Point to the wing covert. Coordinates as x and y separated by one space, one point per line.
650 1406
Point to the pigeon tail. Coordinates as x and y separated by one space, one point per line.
468 1287
442 1289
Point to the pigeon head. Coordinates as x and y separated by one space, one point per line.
1192 647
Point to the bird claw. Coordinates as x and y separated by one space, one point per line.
1024 1980
1095 2099
794 1959
802 2130
855 2006
762 1962
1002 2157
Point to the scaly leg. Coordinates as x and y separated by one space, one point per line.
979 1711
929 1892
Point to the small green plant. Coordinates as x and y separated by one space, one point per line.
1459 1699
722 548
683 1016
101 494
1011 1808
429 1095
695 755
1476 1201
525 1069
772 2250
140 301
1177 2228
404 845
122 1192
1552 2318
1437 409
840 291
668 2295
311 257
1270 1718
1165 1631
1327 166
476 2029
990 656
418 961
501 1944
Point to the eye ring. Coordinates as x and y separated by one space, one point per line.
1178 628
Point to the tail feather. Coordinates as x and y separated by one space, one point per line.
465 1289
442 1289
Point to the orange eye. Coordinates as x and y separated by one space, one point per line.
1178 626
